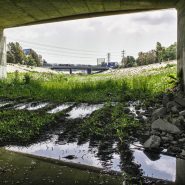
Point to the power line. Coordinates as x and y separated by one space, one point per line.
61 48
63 55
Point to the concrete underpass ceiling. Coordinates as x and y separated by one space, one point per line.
24 12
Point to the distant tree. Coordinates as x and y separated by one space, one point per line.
33 56
30 61
146 58
141 60
10 57
129 61
171 52
160 54
15 53
151 57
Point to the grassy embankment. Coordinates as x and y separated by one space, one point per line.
93 89
24 126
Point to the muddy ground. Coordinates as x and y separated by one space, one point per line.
98 143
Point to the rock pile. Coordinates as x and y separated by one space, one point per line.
168 125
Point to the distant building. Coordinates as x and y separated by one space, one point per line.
101 62
27 51
112 64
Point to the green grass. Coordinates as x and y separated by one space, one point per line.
108 123
94 88
22 126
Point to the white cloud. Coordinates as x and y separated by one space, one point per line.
131 32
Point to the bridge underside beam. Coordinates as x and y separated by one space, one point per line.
24 12
3 72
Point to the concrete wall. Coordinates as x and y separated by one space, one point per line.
24 12
180 169
181 41
3 71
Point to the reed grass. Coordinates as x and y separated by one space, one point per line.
93 88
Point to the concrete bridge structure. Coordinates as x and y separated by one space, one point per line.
28 12
89 69
15 13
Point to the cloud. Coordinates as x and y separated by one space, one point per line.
131 32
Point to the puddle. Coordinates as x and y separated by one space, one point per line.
83 110
132 106
20 169
60 108
154 166
160 166
71 152
31 106
2 104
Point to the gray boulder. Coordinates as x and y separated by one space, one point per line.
174 110
165 139
158 113
182 140
164 125
182 113
170 104
153 142
180 101
165 99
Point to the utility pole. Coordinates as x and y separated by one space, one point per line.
123 57
123 53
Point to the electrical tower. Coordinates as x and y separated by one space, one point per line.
108 57
123 57
123 53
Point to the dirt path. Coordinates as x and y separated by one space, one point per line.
11 68
137 70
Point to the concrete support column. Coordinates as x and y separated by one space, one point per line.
181 42
89 71
180 169
3 71
70 71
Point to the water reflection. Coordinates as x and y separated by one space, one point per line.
19 169
162 168
3 104
31 106
65 144
82 153
105 155
83 110
60 108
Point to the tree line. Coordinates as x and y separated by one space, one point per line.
16 55
157 55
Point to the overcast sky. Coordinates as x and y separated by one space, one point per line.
83 41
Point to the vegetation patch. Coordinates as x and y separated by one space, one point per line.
92 89
22 126
109 123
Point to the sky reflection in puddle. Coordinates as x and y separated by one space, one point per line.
82 153
83 110
60 108
31 106
2 104
156 166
